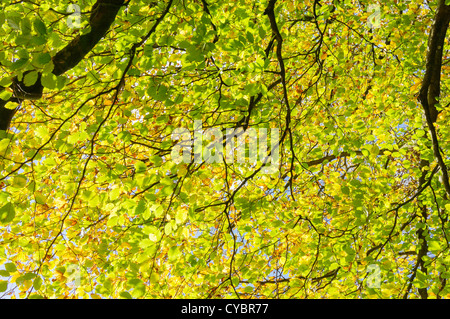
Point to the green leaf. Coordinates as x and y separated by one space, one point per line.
248 289
3 285
139 291
25 25
29 276
19 181
153 233
10 267
434 246
174 253
49 81
30 78
112 220
102 175
135 282
5 82
23 54
7 213
40 27
140 208
23 41
374 150
345 190
145 243
421 279
11 105
61 81
140 167
43 58
125 295
14 21
40 198
5 95
180 216
114 194
168 229
161 93
156 160
124 136
37 283
20 63
4 143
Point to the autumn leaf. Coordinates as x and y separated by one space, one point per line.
312 137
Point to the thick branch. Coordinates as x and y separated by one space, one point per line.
431 87
103 15
330 158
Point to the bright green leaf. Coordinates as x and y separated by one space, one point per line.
49 81
5 95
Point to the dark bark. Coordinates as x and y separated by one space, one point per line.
431 85
103 15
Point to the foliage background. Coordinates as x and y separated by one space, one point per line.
93 206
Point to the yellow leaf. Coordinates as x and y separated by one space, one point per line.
414 88
11 105
27 284
153 237
40 199
17 275
180 216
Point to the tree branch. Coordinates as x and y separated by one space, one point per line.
431 85
103 15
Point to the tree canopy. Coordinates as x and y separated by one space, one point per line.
111 111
